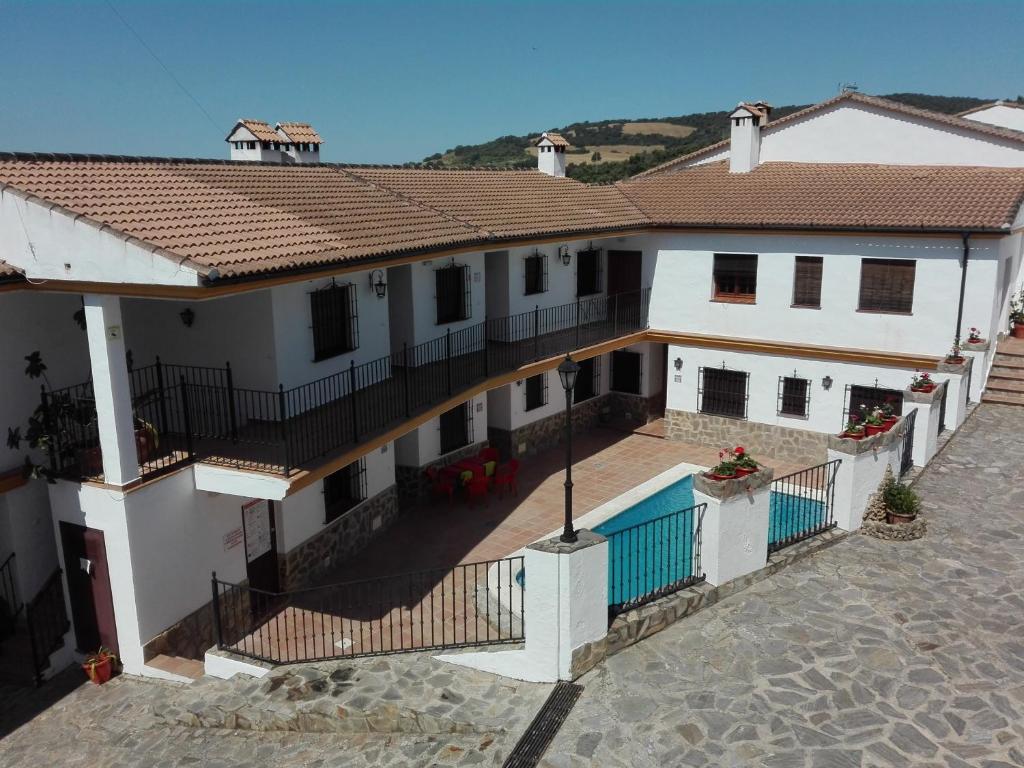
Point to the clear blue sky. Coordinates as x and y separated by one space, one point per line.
392 82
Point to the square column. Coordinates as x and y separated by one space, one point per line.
926 430
734 533
863 464
111 388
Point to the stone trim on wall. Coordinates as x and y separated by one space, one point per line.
545 433
411 481
787 443
344 537
193 636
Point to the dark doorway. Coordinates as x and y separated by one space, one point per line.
92 607
625 271
260 545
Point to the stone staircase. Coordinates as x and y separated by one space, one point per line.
1005 385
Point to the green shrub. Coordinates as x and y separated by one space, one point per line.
901 499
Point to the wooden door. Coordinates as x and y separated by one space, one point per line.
260 545
88 577
625 271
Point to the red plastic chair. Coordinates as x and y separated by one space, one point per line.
489 454
477 489
505 476
440 485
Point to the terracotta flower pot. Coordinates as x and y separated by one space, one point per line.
744 471
713 476
975 341
925 388
1018 330
955 360
853 435
98 672
890 422
873 429
893 519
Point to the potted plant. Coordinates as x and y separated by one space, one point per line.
99 666
1017 315
873 421
902 504
854 429
955 355
922 382
725 469
745 463
974 336
889 417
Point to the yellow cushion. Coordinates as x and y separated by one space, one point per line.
489 467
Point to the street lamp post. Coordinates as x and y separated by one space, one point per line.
568 369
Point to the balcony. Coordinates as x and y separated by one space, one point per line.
184 414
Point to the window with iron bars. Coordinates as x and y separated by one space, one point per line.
588 380
794 396
627 371
871 397
335 320
723 392
344 489
456 427
536 391
535 274
453 293
588 272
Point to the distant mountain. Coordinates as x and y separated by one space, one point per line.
609 150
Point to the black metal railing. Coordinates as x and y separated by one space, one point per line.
907 445
471 604
10 595
47 620
654 558
801 505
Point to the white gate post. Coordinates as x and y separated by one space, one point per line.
734 534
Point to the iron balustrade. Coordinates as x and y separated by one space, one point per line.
184 413
907 444
801 505
654 558
47 620
471 604
10 595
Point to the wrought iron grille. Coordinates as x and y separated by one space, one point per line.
456 427
794 396
536 391
535 274
344 489
907 446
801 505
870 397
454 293
723 392
335 314
588 380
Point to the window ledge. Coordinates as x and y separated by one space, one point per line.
797 416
883 312
733 300
805 306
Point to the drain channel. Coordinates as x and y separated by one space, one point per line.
535 741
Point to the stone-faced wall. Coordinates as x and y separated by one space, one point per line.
770 439
194 635
342 538
546 433
412 484
635 408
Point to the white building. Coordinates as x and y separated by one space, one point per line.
262 377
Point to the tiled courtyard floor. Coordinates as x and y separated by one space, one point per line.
439 536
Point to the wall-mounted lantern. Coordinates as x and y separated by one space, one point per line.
678 363
187 316
564 254
377 283
826 382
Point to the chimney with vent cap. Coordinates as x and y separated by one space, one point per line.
551 148
745 136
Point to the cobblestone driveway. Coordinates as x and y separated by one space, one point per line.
868 654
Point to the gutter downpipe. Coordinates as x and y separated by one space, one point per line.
966 237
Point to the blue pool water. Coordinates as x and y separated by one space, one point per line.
650 544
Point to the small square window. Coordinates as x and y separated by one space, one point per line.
794 396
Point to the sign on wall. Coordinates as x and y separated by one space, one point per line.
256 519
232 538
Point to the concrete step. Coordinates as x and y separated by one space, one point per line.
1004 385
1005 372
177 665
1003 398
1008 361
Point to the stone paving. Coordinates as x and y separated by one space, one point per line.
871 653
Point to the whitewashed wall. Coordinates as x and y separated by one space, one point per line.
423 294
825 412
237 329
682 295
302 515
27 531
1001 115
857 133
293 334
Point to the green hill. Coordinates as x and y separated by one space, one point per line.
608 150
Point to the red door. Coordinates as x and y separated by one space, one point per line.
92 606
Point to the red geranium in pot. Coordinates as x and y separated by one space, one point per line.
854 429
745 463
922 382
873 420
889 418
974 336
725 469
1017 315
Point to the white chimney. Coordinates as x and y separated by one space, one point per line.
745 137
551 153
254 140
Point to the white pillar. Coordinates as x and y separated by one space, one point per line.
980 355
734 532
111 388
566 600
926 429
863 464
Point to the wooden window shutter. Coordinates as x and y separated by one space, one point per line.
807 281
887 285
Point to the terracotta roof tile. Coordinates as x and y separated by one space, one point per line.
299 133
857 98
832 196
556 139
258 128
